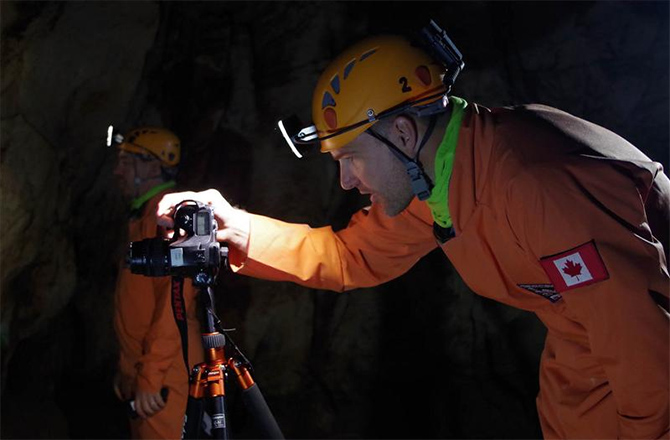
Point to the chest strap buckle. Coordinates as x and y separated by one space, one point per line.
442 235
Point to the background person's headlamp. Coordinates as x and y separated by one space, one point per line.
113 138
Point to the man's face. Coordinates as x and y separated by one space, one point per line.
125 172
135 172
368 165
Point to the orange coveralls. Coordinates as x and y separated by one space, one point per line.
149 338
551 214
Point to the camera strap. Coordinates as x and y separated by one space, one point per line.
179 313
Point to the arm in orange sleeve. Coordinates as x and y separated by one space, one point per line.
162 343
371 250
555 209
134 307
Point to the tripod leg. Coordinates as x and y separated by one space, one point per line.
255 403
195 407
218 413
195 410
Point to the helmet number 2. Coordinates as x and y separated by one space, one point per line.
405 88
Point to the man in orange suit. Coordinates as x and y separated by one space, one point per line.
151 356
535 208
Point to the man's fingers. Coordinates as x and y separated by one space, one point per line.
165 221
159 401
142 405
223 235
167 204
139 408
146 405
169 201
154 407
144 409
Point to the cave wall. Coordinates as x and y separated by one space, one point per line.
419 357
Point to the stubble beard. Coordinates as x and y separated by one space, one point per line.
398 194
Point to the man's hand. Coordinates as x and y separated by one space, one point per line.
233 223
123 386
147 404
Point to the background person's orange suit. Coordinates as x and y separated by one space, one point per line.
149 339
551 214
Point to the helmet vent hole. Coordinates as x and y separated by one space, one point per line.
328 100
423 74
335 84
348 67
330 116
367 54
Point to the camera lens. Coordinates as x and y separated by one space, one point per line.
149 257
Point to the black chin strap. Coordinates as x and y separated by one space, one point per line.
421 184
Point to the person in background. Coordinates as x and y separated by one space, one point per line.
152 356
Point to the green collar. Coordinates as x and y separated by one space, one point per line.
444 165
137 203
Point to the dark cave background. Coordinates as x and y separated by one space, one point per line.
418 357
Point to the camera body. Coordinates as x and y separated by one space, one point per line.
192 252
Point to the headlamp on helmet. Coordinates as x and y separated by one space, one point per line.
113 137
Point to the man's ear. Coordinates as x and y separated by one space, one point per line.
405 134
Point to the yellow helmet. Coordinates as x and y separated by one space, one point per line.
158 142
368 81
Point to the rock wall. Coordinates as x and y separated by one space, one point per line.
419 357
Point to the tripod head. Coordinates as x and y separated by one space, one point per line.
206 275
214 335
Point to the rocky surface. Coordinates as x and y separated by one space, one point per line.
419 357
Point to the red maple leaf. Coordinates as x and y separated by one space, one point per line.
572 269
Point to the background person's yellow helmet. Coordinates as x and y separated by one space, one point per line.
370 78
163 144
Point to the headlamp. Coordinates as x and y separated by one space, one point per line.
112 137
303 141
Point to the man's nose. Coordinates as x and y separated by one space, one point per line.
347 179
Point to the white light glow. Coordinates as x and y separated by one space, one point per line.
288 139
110 131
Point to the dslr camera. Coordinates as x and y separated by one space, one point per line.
192 252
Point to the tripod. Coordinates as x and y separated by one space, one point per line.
207 382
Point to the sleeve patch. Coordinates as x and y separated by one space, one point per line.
544 290
575 268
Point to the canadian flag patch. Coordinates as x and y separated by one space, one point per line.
577 267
